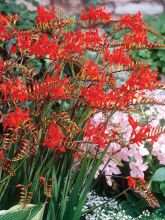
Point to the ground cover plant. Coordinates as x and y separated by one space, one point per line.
113 210
52 144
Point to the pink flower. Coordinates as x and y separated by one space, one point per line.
142 150
137 169
123 154
108 169
120 120
113 148
137 151
111 169
159 149
133 152
97 119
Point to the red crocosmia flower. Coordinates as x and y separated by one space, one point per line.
44 46
1 155
14 119
76 155
2 71
53 87
92 38
131 181
44 17
133 123
91 71
5 32
1 64
144 78
135 22
73 43
61 149
15 19
118 56
97 134
4 20
94 95
59 91
54 137
140 186
16 90
24 40
57 68
95 15
138 33
13 49
136 37
140 135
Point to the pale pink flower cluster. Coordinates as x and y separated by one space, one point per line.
134 154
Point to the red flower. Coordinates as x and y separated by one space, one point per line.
1 155
118 56
97 134
4 20
144 78
2 64
136 38
140 186
16 91
140 135
95 15
53 87
61 149
94 95
24 40
43 46
133 123
135 22
44 17
73 43
5 32
131 181
91 71
13 49
54 137
92 38
14 119
76 155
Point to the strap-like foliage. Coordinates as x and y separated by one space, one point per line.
54 79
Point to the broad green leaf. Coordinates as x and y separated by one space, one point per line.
31 212
162 187
159 175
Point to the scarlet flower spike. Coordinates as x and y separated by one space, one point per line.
140 186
